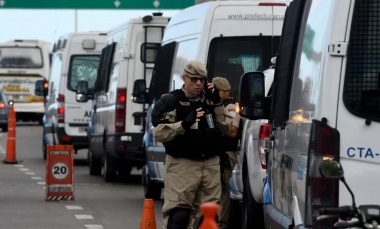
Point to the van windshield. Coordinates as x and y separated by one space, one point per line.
361 93
83 68
231 57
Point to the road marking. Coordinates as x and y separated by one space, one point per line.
30 173
19 165
23 169
37 178
94 226
74 207
41 182
84 216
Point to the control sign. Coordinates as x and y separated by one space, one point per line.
59 172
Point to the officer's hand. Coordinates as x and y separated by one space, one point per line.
189 120
215 98
192 118
212 93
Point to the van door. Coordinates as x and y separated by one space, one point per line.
358 117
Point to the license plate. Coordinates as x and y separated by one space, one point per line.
82 129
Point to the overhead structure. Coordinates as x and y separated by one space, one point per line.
95 4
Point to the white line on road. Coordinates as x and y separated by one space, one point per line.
37 178
30 173
74 207
94 226
24 169
84 216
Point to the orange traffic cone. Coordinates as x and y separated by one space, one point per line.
148 220
209 211
10 157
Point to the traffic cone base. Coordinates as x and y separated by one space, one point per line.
209 211
148 219
10 157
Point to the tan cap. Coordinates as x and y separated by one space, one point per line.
194 68
221 83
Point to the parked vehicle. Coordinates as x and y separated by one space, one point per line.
246 183
22 63
76 58
324 106
216 34
117 125
4 111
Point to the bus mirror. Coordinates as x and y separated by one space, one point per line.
252 95
139 94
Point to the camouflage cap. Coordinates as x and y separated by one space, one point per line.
221 83
194 68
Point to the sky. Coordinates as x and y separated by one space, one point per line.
49 25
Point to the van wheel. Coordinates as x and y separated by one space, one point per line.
4 128
124 171
109 172
94 164
152 190
252 215
44 147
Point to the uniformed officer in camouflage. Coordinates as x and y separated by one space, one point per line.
230 144
193 146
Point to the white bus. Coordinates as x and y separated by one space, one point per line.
22 63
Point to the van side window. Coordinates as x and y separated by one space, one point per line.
149 52
55 75
361 93
231 57
104 68
162 72
285 62
83 68
187 50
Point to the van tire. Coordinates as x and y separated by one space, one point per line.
152 190
44 145
124 171
252 212
4 128
109 174
94 164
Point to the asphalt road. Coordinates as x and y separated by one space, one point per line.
97 204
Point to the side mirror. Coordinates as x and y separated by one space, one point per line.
331 169
41 88
139 94
252 95
82 94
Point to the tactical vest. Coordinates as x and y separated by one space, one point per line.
196 144
230 144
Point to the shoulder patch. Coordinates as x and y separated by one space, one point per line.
184 103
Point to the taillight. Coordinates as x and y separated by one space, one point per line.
121 98
61 108
2 105
264 143
321 191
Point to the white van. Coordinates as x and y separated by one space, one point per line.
325 106
117 125
230 38
76 58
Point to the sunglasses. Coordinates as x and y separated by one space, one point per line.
195 79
